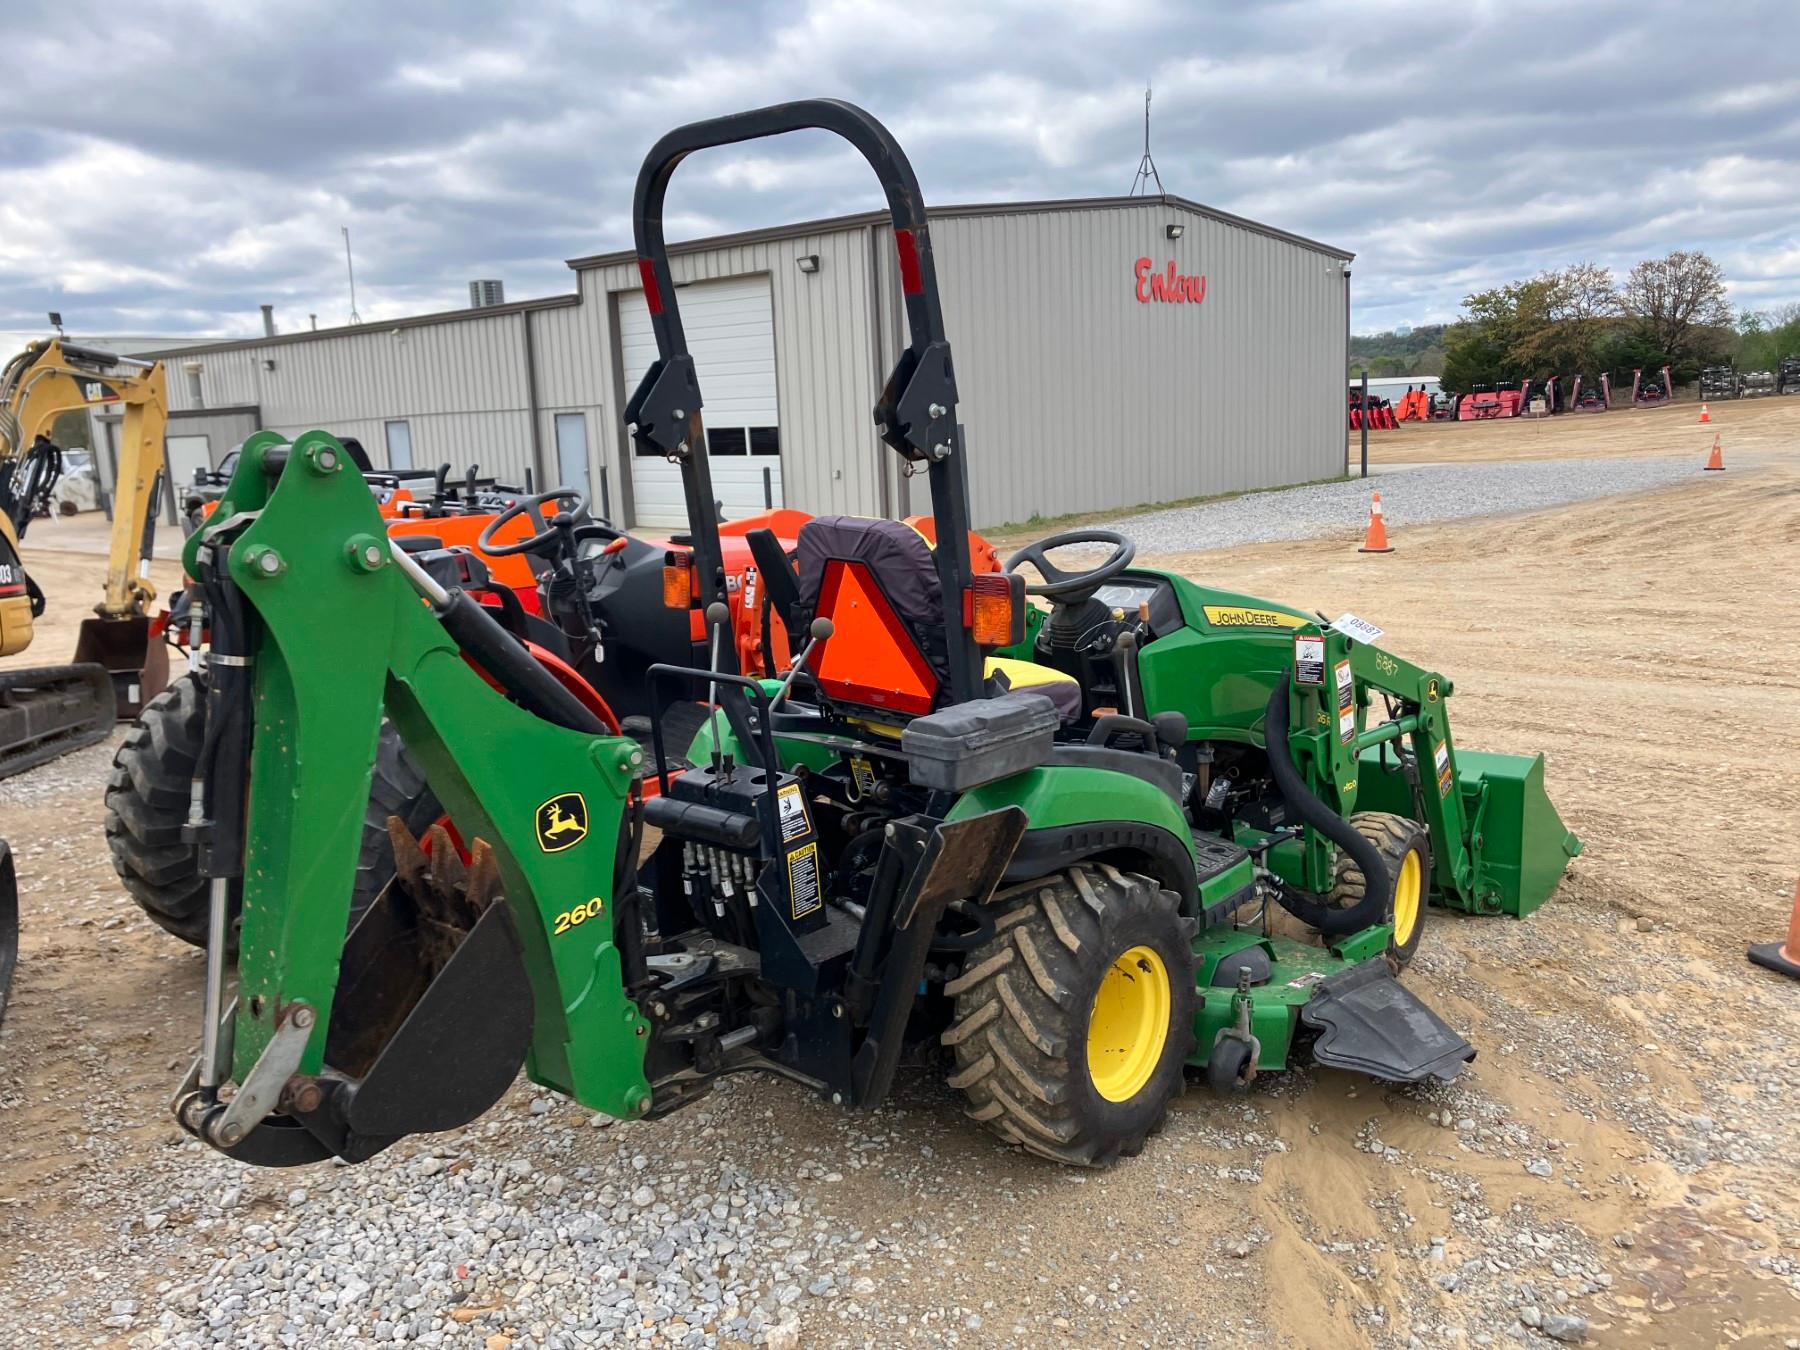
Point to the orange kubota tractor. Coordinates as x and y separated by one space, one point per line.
587 599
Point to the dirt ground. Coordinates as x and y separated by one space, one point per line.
1625 1146
1741 425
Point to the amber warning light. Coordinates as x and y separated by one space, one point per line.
678 580
996 610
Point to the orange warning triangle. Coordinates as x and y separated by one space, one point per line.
870 658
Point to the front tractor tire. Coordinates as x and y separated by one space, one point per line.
1073 1023
1405 850
147 805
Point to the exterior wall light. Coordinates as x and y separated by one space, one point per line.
1174 231
807 262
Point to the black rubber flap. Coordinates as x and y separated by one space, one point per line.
1369 1022
9 923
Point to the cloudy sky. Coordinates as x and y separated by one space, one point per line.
168 170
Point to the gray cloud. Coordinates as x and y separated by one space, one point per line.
201 161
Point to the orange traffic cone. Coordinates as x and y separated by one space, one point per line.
1783 956
1716 463
1375 541
1705 416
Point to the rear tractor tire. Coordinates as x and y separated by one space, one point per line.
1405 850
1073 1023
147 805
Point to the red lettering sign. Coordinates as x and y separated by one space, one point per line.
1168 287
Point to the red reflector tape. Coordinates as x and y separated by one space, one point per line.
652 292
908 248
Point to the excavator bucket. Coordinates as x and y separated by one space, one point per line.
138 667
50 710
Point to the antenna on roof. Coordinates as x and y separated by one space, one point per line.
350 267
1146 171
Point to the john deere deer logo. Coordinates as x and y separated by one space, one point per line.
562 822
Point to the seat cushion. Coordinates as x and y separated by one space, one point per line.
1061 689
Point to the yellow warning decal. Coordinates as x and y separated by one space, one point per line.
1236 616
562 822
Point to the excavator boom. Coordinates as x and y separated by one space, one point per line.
49 710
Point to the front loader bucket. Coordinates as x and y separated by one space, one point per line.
1518 841
139 667
50 710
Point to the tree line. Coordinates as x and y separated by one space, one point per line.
1582 319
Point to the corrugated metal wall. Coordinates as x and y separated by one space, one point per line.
824 360
1076 397
459 385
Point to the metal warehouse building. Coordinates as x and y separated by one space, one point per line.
1109 353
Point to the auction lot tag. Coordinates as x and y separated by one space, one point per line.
1309 658
1360 629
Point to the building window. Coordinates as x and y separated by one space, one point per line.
765 440
399 445
196 395
725 441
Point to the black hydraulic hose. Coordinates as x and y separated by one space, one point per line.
1378 891
501 655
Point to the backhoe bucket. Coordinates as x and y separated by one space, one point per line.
138 666
50 710
431 1020
1518 841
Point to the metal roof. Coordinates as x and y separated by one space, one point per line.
862 218
374 326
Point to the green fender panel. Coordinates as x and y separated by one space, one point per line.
1078 812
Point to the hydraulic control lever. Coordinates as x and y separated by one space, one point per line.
821 629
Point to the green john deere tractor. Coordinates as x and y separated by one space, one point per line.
1062 852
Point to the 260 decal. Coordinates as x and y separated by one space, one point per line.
574 918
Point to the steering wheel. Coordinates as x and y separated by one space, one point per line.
1073 587
568 500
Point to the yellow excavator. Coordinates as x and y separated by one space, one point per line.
47 711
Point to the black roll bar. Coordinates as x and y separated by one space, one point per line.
916 412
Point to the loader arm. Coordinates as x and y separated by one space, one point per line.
1496 841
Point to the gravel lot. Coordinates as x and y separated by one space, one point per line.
1408 497
1617 1167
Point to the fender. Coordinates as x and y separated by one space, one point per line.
1139 819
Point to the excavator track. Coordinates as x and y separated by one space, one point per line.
48 711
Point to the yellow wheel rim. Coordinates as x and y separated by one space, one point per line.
1406 899
1129 1025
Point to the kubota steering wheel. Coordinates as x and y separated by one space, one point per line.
569 502
1073 587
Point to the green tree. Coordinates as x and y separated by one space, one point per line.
1678 302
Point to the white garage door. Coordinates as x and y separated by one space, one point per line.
731 332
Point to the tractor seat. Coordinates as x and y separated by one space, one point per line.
888 655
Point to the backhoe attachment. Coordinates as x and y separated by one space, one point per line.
468 965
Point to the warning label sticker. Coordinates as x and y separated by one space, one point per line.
1309 659
1441 759
803 880
1346 702
791 807
863 773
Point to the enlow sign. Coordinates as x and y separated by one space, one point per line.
1168 286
